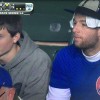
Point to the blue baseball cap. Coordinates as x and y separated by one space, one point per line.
5 78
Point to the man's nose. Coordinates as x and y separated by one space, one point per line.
76 28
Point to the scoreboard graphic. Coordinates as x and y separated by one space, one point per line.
14 8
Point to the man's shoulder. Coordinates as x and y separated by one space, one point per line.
69 49
68 52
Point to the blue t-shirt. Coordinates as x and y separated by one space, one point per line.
71 70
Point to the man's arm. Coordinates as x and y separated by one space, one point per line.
59 88
58 94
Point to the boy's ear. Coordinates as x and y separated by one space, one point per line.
16 37
11 93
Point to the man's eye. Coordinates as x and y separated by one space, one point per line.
1 37
74 23
84 24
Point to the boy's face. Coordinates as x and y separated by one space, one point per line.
7 43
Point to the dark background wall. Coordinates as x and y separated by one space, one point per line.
47 13
49 22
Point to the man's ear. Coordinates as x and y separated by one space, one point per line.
16 37
11 93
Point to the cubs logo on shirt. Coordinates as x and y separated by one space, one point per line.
98 85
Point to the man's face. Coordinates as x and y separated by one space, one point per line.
6 42
84 37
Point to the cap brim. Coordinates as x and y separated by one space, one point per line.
69 10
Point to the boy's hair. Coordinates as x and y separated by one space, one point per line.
12 23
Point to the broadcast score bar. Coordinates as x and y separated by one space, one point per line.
14 8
